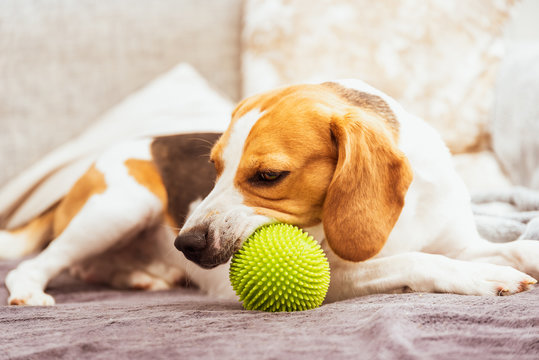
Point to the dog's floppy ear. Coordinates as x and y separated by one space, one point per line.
366 195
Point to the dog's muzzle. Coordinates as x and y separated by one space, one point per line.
197 246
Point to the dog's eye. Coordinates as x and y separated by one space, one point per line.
269 176
266 178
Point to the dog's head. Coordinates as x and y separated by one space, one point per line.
303 155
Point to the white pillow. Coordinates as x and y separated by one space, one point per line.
437 57
515 120
179 101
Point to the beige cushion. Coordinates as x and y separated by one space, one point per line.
437 57
180 101
65 62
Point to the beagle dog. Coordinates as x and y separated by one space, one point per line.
372 183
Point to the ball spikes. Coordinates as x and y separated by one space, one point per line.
280 268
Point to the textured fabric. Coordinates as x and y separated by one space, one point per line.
100 323
64 62
508 215
179 101
438 58
515 120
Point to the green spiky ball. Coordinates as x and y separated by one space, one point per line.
280 268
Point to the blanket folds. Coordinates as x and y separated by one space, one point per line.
507 215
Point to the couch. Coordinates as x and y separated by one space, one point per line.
78 76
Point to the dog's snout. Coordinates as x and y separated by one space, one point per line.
192 244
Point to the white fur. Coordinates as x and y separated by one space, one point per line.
13 245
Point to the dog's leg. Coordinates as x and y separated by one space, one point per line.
27 239
422 272
121 211
520 254
104 221
463 242
148 262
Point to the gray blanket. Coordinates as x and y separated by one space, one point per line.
507 216
102 323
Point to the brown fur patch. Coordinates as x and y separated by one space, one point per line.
366 101
366 195
186 173
292 135
38 232
262 102
146 174
89 184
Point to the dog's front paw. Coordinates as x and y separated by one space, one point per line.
31 299
140 280
523 285
489 279
26 290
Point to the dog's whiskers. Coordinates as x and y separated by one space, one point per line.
175 228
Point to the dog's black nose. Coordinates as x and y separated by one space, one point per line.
191 244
